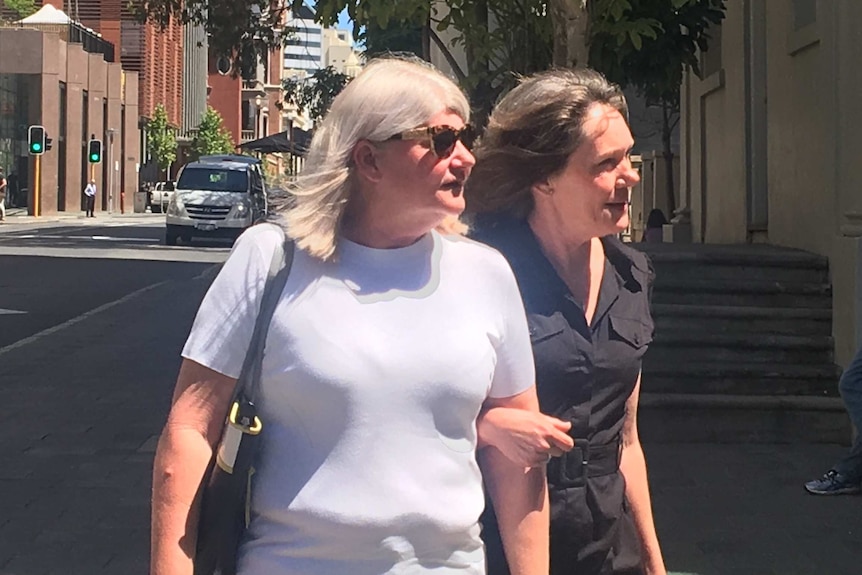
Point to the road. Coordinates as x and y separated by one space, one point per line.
92 317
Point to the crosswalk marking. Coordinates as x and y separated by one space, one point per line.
11 311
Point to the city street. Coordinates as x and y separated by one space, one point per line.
93 314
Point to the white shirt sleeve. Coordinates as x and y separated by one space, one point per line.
224 323
515 371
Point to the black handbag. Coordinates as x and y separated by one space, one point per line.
226 486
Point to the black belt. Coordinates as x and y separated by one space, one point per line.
584 460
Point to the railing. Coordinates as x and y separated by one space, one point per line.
247 136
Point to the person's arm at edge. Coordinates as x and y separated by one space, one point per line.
194 426
520 499
634 469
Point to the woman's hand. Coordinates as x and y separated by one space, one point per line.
527 438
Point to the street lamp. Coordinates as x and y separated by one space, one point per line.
291 116
109 165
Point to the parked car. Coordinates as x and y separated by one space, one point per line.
160 196
215 199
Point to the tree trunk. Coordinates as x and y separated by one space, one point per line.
426 39
667 152
569 19
479 71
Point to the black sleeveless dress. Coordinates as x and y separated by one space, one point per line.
584 374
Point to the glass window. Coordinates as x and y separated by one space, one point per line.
213 180
804 13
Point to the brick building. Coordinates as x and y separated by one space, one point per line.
156 55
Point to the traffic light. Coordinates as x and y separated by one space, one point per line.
36 140
48 143
94 151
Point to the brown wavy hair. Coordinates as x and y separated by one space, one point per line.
531 134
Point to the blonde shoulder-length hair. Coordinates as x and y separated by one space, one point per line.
391 95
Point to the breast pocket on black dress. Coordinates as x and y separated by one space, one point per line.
562 363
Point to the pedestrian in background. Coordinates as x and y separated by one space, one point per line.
389 339
90 198
654 226
845 477
551 188
4 188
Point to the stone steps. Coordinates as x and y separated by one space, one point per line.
742 319
742 292
733 348
743 345
677 417
776 379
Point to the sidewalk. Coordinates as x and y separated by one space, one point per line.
82 409
20 216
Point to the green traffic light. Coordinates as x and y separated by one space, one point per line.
37 147
94 157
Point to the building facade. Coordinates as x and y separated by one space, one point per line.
75 95
156 55
303 52
768 141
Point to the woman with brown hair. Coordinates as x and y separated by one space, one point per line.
550 190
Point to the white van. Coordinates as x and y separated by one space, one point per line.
215 199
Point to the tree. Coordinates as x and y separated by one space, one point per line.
23 8
570 19
314 95
161 138
648 44
502 38
211 137
406 37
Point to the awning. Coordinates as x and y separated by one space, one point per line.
280 143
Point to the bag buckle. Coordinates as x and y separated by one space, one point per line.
244 417
242 421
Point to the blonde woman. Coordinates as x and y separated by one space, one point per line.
389 339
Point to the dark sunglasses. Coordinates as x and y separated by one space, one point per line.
442 139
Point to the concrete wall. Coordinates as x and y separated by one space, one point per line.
77 80
801 168
132 134
714 115
810 121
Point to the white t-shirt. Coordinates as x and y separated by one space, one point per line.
376 367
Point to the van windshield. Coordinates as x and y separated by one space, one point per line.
213 180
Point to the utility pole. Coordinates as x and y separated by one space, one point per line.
112 207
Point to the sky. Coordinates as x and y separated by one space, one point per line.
344 21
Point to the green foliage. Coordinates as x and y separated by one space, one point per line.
211 137
161 138
501 38
23 8
649 44
517 41
314 95
403 38
243 28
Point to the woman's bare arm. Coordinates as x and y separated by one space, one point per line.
195 422
520 498
633 467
